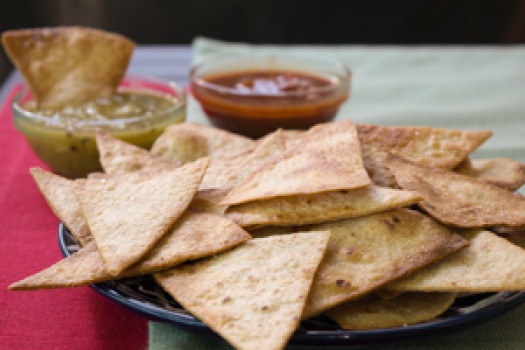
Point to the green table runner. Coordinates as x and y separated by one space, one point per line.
450 87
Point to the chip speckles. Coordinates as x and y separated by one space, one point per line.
266 281
328 158
456 199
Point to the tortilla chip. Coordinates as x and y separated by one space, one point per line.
367 252
509 230
58 192
386 294
320 207
194 235
127 215
68 65
372 312
79 269
186 142
517 238
260 232
293 138
328 159
252 295
441 148
489 264
209 200
459 200
227 173
502 172
119 157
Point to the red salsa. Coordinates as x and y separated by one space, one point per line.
255 102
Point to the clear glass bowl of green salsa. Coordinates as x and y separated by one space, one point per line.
64 139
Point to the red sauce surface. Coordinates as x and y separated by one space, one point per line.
256 102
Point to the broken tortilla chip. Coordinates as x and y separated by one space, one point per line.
128 215
321 207
502 172
489 264
119 157
253 295
186 142
68 65
441 148
328 159
459 200
367 252
58 192
371 312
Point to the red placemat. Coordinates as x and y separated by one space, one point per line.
75 318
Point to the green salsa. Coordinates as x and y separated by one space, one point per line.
64 139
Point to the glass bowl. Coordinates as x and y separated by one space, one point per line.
254 94
67 144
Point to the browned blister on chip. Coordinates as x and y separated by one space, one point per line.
253 295
367 252
441 148
58 192
127 215
194 235
502 172
371 312
459 200
489 264
68 65
120 157
186 142
321 207
328 159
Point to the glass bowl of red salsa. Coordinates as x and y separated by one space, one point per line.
253 94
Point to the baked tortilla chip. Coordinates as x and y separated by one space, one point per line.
58 192
367 252
372 312
127 215
194 235
227 173
119 157
320 207
502 172
459 200
68 65
489 264
328 159
253 295
209 201
186 142
440 148
84 267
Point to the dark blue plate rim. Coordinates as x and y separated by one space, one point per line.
346 338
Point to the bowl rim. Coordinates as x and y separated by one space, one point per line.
179 93
342 80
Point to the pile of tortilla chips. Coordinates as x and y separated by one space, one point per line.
372 226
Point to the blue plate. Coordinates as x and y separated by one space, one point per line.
144 296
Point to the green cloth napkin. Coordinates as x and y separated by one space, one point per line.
466 88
